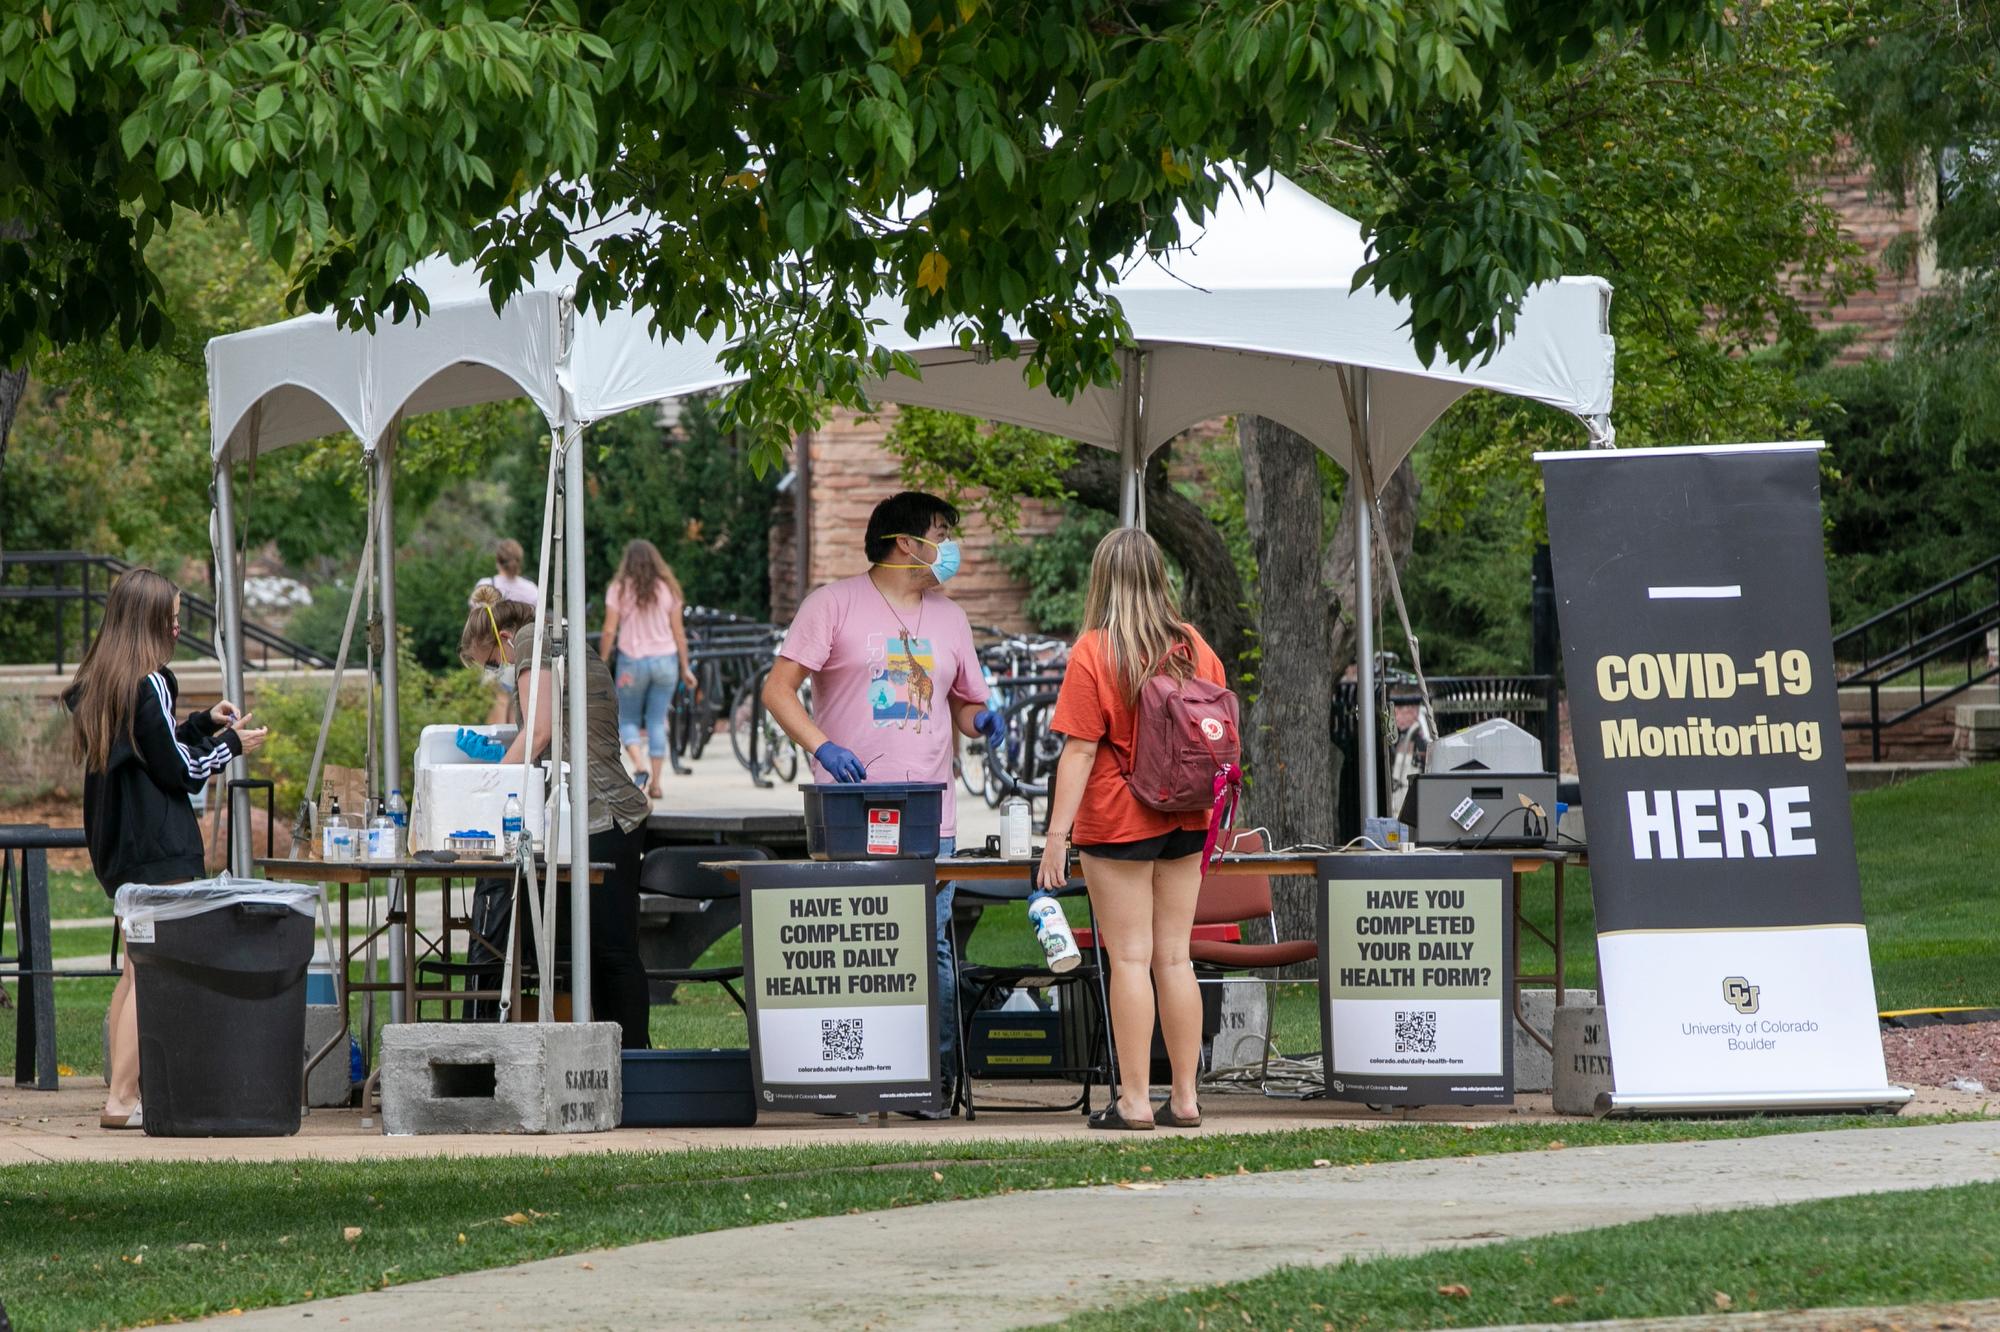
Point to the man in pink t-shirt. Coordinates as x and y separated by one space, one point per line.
895 679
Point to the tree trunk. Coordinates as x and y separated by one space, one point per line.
1398 509
1290 743
1212 588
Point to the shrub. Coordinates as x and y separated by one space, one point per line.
292 711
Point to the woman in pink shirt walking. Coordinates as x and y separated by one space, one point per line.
646 642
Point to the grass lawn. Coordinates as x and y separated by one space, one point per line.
87 1245
1877 1249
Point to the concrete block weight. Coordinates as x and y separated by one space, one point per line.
501 1077
1534 1067
331 1083
1583 1060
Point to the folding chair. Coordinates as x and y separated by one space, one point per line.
681 875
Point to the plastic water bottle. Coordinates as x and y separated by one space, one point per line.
399 813
510 825
381 834
1052 931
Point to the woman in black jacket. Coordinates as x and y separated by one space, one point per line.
139 768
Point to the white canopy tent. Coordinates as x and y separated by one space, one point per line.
1256 313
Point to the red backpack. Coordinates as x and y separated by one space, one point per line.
1187 751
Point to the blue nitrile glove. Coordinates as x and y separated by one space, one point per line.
840 761
479 748
992 725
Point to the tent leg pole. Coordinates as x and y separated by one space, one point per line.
229 628
1364 617
385 607
1364 606
579 726
385 556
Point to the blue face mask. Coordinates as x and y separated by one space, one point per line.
947 560
941 568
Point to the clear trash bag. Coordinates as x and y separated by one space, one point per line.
141 906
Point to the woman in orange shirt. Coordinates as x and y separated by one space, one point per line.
1142 865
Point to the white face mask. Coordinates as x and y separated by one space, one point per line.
504 673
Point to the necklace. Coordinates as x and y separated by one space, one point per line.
919 704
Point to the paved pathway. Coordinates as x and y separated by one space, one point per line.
1028 1258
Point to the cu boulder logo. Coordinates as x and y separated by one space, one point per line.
1740 994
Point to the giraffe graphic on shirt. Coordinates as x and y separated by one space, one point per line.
900 689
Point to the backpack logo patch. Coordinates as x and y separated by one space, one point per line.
1212 727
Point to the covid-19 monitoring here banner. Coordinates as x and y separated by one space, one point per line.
1691 586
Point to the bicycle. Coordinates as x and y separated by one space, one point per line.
761 745
1013 667
1025 765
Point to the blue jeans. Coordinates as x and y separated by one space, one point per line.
646 687
947 970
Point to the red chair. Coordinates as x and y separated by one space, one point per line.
1230 899
1235 898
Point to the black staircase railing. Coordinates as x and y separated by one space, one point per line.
70 581
1934 643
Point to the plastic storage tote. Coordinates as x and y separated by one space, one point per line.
220 966
688 1089
871 820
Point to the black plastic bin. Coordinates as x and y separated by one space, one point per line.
222 1013
688 1089
873 820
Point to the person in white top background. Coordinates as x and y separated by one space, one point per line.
507 557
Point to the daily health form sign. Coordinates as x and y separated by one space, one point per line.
1414 975
838 966
1691 585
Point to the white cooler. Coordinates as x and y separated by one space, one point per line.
454 794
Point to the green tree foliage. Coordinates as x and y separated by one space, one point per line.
293 712
1921 81
687 489
1909 501
989 161
1694 184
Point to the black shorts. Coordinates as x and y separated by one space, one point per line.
1175 845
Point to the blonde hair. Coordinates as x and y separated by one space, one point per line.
491 615
642 570
1131 601
136 639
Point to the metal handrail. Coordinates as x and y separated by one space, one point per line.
194 607
1909 603
1960 639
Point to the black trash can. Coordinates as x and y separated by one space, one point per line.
221 980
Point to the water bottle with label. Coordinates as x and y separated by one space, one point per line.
1053 932
510 826
399 813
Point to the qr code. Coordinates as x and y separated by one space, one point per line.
1417 1032
840 1039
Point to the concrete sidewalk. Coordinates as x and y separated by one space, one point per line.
1035 1257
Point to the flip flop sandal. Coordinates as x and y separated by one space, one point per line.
1109 1118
